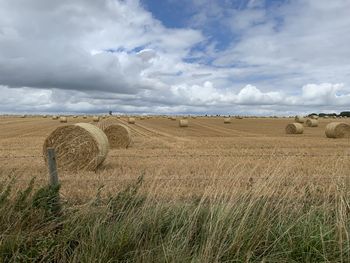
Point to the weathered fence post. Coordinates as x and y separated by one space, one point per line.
51 160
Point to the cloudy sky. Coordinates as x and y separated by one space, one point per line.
260 57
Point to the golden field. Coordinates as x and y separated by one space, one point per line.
208 157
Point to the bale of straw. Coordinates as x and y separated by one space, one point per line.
311 123
142 118
96 119
315 117
63 119
131 120
80 146
183 123
173 118
299 119
84 117
54 117
227 120
75 116
44 116
294 128
23 116
118 135
337 130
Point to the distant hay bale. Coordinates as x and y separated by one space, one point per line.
44 116
173 118
227 120
299 119
337 130
294 128
63 119
84 117
80 146
118 135
96 119
131 120
315 117
239 117
23 116
142 118
311 123
183 123
54 117
75 116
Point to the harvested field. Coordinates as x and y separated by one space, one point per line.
181 163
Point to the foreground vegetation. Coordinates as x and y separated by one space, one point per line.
35 225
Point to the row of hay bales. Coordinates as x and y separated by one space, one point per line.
84 146
64 119
298 128
333 129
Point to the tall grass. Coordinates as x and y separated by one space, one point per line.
129 226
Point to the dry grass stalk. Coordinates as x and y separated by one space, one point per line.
294 128
80 146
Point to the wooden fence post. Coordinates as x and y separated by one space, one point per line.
51 160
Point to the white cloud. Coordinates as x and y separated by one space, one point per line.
82 56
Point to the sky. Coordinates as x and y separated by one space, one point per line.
247 57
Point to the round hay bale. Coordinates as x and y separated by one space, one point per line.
23 116
142 118
299 119
84 117
294 128
54 117
131 120
80 146
337 130
311 123
75 116
44 116
173 118
315 117
183 123
227 120
118 135
96 119
63 119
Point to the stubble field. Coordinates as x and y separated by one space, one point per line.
177 163
211 192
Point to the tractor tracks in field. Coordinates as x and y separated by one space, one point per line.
163 137
224 131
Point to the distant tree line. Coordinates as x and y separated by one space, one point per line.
343 113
